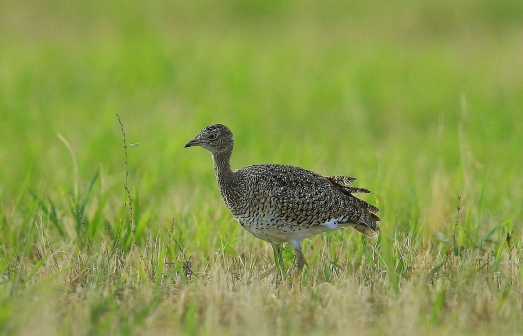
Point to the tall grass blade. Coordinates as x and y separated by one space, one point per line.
51 212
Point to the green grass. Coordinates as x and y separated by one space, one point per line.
422 102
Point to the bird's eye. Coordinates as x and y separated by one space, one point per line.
213 136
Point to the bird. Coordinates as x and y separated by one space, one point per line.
282 203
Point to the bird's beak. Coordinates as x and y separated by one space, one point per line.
193 142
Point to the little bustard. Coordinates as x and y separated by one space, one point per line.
285 204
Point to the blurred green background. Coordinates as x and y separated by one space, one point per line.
420 100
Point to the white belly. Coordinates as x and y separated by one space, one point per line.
274 231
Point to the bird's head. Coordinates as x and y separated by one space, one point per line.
216 139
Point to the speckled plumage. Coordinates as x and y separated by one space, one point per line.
282 203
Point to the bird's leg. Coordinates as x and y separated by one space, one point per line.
278 261
300 258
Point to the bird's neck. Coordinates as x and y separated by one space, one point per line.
222 168
230 186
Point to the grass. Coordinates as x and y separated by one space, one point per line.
422 102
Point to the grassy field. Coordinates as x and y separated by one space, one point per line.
421 101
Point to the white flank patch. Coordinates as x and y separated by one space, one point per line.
332 224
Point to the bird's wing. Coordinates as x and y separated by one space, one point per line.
304 198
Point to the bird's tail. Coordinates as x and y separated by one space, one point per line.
368 221
366 230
